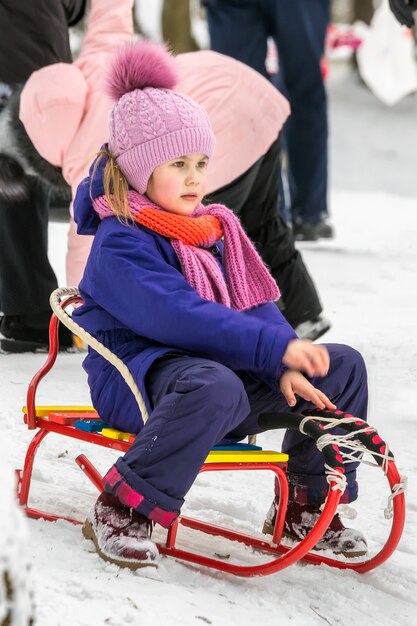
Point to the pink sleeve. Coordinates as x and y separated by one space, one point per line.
110 24
51 108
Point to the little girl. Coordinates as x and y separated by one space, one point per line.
177 291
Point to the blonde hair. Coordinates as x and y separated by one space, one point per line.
115 186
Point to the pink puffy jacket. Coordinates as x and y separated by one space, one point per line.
246 111
68 124
65 113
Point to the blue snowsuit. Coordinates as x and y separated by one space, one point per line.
206 371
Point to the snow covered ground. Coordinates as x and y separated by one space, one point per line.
369 288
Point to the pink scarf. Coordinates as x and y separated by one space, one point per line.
247 281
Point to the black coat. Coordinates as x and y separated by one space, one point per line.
34 33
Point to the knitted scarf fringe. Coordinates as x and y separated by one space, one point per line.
247 281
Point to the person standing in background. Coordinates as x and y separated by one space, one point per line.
33 35
176 26
298 28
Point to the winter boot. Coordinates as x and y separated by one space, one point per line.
314 328
304 231
18 335
301 518
120 535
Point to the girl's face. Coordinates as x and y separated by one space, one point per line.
178 186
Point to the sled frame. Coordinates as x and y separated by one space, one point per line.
42 419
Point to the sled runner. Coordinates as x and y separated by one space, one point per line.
84 424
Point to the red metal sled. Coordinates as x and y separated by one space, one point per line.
60 420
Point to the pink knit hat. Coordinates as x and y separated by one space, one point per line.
151 123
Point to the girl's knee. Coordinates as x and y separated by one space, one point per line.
343 356
357 364
215 384
216 398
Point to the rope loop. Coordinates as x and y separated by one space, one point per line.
400 487
352 449
333 475
56 305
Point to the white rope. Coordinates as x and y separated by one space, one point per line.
66 319
400 487
346 511
333 475
357 449
333 422
352 449
355 446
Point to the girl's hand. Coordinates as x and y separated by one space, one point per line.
292 382
307 357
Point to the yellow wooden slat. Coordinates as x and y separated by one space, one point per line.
113 433
246 456
215 456
43 411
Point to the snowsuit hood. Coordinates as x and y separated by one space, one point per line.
90 187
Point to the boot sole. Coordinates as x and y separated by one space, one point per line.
322 332
18 346
268 529
89 533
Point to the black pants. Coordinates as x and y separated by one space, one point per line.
254 198
26 276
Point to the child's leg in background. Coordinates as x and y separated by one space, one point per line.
27 278
196 402
253 197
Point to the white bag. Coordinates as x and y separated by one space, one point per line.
386 58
